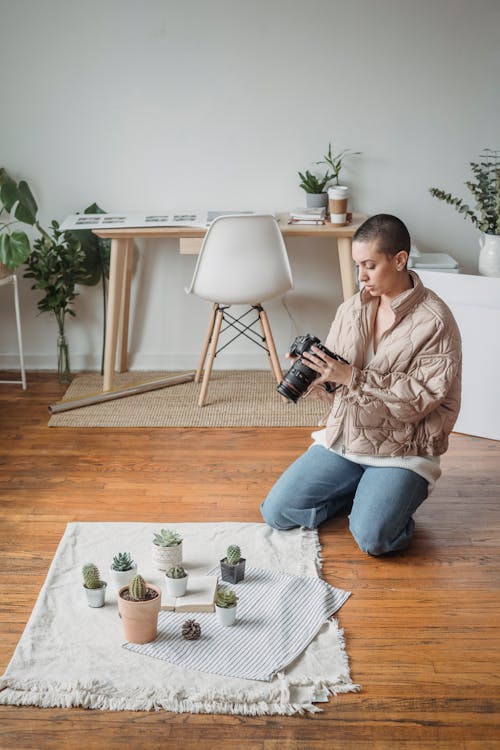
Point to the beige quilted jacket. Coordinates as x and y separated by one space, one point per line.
406 401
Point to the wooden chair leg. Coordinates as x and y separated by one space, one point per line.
266 330
211 356
206 342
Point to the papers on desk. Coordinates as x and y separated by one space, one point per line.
129 219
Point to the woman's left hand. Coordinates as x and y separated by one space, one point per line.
330 370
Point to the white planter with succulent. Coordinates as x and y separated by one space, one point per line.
486 191
176 581
94 587
225 606
122 569
167 549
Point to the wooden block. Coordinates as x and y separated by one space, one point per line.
190 245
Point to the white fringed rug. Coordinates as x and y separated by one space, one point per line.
72 655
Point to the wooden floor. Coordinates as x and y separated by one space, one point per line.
422 628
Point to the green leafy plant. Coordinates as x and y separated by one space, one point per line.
485 189
167 538
233 554
312 183
57 264
97 252
91 576
17 206
177 571
137 589
225 598
334 162
122 561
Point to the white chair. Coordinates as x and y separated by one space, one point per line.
242 261
11 278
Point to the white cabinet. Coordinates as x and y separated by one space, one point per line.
475 304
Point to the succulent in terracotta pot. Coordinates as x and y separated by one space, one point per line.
139 604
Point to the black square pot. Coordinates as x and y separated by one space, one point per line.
232 573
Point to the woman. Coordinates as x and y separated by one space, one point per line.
394 406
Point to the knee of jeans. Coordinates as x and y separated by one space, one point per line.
275 518
371 542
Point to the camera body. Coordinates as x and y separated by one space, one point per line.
299 377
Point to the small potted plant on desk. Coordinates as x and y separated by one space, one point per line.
122 569
167 549
176 580
139 604
94 587
225 606
316 186
232 567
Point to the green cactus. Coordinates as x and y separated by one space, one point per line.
226 598
233 554
167 538
122 561
137 588
176 572
91 576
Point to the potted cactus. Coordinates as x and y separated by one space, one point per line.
176 580
232 567
122 569
94 587
167 549
225 606
139 604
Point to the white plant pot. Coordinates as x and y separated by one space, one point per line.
122 578
96 597
489 255
226 615
176 586
167 557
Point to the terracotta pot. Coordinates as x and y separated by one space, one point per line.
140 619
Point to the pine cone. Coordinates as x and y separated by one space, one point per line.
191 630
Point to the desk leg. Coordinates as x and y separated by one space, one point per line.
125 308
115 290
344 245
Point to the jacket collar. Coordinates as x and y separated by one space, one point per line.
401 304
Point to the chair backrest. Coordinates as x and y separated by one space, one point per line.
243 260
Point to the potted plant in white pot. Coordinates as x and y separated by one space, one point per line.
176 580
486 191
167 549
122 569
139 604
316 186
94 587
225 606
232 566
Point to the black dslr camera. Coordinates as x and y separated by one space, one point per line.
299 377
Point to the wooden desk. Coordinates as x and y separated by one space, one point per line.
122 241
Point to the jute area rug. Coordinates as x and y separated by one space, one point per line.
72 655
236 398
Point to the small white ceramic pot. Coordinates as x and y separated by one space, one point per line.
167 557
176 586
122 578
226 615
96 597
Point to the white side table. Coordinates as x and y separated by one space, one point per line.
12 279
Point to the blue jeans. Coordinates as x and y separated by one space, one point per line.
320 484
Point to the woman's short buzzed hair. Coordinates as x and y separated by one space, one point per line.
390 233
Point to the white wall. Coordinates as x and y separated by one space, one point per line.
163 104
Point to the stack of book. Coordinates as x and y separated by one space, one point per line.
432 261
307 216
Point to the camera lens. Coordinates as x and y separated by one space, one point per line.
296 381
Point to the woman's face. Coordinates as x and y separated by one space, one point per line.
380 274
